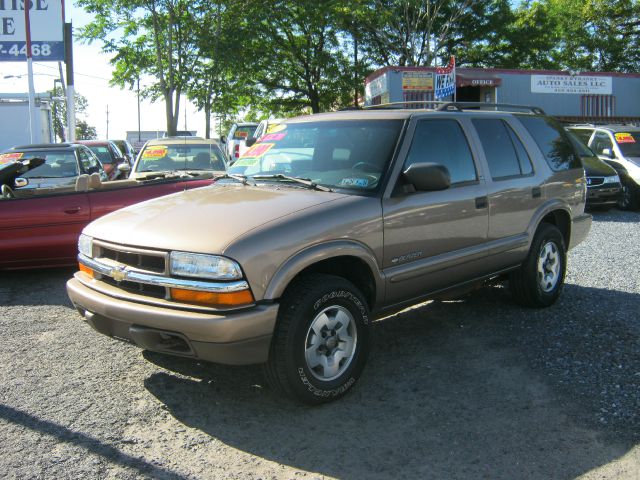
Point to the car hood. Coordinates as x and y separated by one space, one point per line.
594 167
205 219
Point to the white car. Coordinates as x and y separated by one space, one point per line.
237 138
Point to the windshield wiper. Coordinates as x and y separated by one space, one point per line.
303 181
235 176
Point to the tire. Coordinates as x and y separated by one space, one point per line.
321 341
539 280
630 196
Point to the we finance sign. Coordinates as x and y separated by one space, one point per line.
46 30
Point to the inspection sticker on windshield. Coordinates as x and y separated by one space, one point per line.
625 138
158 151
258 150
354 182
8 157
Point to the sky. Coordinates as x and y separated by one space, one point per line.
92 73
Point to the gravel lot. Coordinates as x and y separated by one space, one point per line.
473 388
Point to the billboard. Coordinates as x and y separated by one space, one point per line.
576 84
46 30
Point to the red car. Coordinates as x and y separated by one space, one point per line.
40 227
108 154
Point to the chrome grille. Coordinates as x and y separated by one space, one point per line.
594 181
135 259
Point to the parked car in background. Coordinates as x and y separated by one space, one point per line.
235 141
604 189
40 227
190 156
127 150
63 164
618 146
109 155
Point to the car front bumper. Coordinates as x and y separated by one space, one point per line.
234 338
603 196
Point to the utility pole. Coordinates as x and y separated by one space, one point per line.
71 106
139 140
32 114
107 121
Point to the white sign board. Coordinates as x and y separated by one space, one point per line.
46 30
375 87
576 84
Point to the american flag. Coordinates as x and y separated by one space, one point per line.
446 79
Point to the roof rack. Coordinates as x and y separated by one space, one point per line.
457 106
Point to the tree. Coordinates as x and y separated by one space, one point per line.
149 37
84 131
59 112
299 59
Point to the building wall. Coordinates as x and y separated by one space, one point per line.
597 95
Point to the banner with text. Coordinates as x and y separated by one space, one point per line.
46 30
572 84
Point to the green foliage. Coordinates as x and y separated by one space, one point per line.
84 131
59 111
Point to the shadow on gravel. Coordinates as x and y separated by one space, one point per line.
475 388
36 287
92 445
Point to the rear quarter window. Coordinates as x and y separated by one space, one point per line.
552 141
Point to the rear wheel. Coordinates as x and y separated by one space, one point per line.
539 280
320 344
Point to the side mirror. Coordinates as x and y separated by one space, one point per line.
20 182
124 168
428 177
250 141
607 152
223 139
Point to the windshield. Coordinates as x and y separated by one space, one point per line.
103 153
244 132
346 154
182 156
629 143
582 149
58 164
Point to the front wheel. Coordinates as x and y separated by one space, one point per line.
539 280
321 340
630 196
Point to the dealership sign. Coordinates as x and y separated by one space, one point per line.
46 30
577 84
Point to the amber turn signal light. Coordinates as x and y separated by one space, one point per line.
85 269
209 299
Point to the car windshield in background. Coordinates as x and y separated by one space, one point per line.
170 157
629 143
244 132
57 164
340 154
103 153
582 149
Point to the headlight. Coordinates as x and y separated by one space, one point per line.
204 266
612 179
85 245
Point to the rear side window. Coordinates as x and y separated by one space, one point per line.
504 151
552 141
443 142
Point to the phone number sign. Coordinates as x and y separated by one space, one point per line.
46 30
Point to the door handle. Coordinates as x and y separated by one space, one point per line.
481 202
72 210
536 192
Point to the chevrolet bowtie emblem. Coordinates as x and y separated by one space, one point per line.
119 273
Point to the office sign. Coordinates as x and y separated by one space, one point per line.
576 84
46 30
